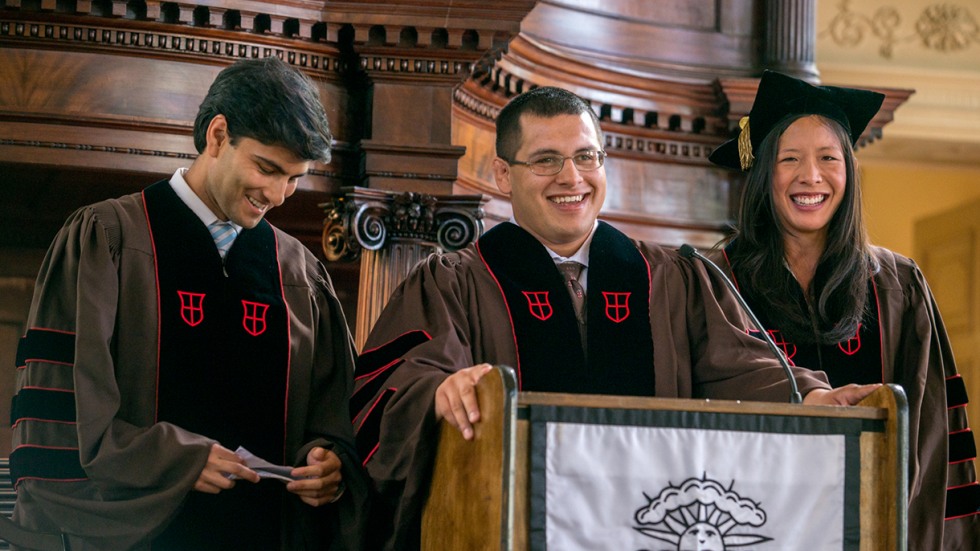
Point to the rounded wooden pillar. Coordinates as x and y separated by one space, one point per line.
790 38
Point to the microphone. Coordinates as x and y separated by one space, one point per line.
688 251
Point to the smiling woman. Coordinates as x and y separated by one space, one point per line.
834 302
809 181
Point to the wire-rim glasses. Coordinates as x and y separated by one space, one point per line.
549 165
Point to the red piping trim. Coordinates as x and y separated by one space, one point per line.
156 280
370 376
424 332
368 412
62 448
510 318
39 420
23 478
289 349
881 329
730 270
36 328
371 454
66 364
46 388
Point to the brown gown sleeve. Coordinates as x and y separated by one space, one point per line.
942 448
134 476
705 330
321 381
444 317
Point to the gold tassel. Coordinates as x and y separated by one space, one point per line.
745 155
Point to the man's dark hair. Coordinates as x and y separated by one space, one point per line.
547 101
268 101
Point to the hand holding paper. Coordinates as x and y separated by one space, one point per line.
223 467
320 481
263 468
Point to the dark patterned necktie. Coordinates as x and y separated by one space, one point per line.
572 271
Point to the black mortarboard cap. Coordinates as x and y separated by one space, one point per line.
780 96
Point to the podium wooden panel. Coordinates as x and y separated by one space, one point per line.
480 494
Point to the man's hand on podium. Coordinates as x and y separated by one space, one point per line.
456 399
847 395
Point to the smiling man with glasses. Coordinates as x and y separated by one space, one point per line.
549 165
571 303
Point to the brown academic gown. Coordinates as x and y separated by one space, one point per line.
916 354
449 314
95 302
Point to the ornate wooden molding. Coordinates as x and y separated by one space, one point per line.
390 232
367 219
182 42
644 118
740 94
113 85
98 148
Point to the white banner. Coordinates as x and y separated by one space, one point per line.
659 489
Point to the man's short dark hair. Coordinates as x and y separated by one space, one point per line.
546 101
268 101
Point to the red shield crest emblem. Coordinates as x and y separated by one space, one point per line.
253 318
191 307
789 349
538 304
851 345
617 306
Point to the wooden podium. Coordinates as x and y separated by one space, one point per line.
488 493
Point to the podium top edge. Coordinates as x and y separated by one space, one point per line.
525 399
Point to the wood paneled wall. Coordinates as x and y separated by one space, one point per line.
97 98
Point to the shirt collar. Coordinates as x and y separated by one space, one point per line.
581 255
193 202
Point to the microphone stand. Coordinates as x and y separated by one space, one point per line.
688 251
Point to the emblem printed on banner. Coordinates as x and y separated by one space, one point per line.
191 307
700 513
789 349
617 306
253 318
851 345
538 304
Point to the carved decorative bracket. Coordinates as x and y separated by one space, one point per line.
390 232
367 219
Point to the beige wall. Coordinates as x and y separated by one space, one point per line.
897 194
928 160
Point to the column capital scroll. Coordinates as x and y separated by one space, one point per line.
369 219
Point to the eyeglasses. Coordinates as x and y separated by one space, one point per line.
549 165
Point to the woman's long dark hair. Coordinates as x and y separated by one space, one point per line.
839 291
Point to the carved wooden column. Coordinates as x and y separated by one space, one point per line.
410 56
390 232
790 38
407 57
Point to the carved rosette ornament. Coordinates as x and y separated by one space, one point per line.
367 219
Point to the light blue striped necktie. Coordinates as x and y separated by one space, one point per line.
224 235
